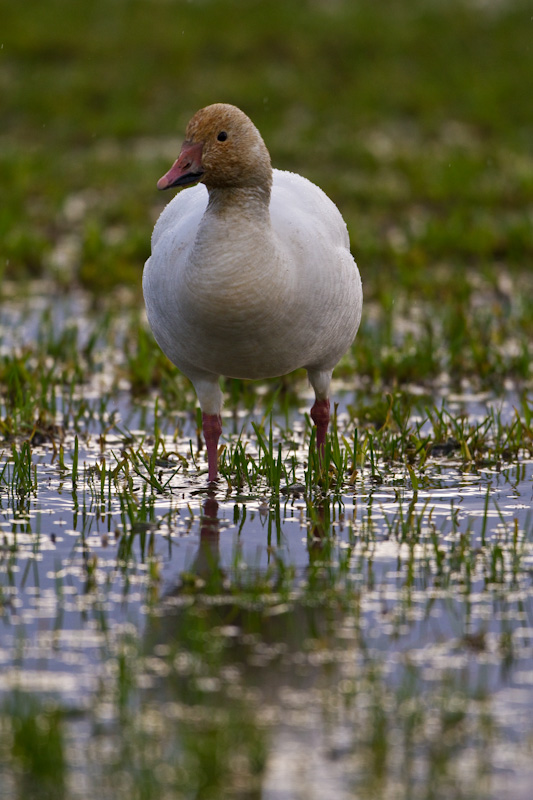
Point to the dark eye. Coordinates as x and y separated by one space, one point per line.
222 136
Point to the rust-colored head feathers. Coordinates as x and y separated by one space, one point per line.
222 149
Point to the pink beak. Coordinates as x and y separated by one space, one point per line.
187 169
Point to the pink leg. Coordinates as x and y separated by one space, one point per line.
320 416
212 428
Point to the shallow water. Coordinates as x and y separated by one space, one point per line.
388 600
374 642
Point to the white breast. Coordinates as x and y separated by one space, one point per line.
234 295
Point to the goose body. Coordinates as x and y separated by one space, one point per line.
251 274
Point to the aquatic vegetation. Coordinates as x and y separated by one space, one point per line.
301 595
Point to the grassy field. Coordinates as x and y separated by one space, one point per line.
373 612
416 120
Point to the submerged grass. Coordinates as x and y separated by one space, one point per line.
229 652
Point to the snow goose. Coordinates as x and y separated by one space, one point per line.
251 274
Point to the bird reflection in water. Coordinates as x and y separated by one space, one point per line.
239 643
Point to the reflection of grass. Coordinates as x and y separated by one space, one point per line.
34 741
192 704
188 711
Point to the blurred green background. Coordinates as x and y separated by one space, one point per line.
414 115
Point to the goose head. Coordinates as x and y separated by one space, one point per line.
222 149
